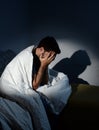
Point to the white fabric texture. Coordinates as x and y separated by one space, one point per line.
16 84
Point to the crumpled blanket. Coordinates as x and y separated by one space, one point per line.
30 101
20 89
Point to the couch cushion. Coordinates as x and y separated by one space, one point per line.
84 95
82 110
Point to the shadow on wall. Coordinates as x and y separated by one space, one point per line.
74 66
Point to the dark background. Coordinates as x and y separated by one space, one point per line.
25 22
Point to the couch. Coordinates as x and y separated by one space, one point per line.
82 110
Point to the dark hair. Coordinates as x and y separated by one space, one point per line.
49 44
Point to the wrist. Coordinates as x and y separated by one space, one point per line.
44 66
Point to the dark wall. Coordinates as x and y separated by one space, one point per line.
25 21
14 24
72 19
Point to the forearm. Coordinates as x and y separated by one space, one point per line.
41 77
37 79
45 77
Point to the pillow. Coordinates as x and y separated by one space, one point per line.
5 58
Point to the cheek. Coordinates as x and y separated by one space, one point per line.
43 55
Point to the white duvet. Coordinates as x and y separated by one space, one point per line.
19 90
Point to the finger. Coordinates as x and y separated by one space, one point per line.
52 57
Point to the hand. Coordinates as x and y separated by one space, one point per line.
47 57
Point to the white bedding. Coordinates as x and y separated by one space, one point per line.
13 116
30 101
26 108
19 91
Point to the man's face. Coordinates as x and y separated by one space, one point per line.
45 53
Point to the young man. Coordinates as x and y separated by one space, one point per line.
43 54
27 75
